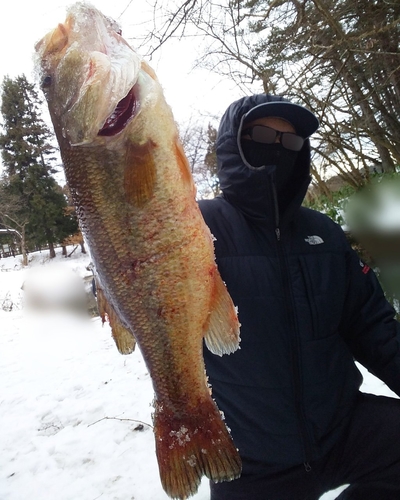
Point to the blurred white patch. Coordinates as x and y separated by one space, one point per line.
387 214
375 208
373 216
53 290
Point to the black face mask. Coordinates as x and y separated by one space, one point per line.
258 155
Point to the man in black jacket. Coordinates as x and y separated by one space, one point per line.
308 307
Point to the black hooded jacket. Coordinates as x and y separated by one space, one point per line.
307 305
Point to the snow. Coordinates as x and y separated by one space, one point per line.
75 415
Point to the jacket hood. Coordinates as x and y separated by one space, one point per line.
250 189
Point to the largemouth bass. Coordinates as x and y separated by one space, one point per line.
153 253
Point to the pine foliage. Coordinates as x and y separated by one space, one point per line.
34 199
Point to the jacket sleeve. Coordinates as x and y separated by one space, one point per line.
368 325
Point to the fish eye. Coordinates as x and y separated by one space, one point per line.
46 82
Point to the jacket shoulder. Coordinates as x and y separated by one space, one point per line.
318 217
217 211
318 225
227 225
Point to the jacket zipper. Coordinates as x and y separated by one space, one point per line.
295 341
310 298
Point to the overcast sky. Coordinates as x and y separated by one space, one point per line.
189 92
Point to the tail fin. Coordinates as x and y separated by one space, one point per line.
190 446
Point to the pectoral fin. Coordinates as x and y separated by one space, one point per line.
123 338
222 333
140 173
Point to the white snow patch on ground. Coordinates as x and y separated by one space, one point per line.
70 404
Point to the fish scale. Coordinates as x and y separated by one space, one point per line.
156 277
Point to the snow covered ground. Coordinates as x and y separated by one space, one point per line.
75 415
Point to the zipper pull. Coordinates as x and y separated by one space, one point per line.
278 234
307 466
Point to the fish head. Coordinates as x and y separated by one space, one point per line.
87 73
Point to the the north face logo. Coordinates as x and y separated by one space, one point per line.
314 240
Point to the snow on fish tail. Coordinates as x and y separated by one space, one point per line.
191 446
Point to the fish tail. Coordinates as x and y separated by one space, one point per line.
190 446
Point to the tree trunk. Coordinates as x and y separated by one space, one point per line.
52 251
387 162
23 247
323 188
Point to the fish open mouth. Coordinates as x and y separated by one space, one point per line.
126 109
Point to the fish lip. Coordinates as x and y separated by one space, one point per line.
126 109
104 68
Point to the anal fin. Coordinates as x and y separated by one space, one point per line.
222 333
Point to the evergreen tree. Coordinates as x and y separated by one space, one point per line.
13 219
28 156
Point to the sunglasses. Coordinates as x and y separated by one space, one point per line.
268 135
